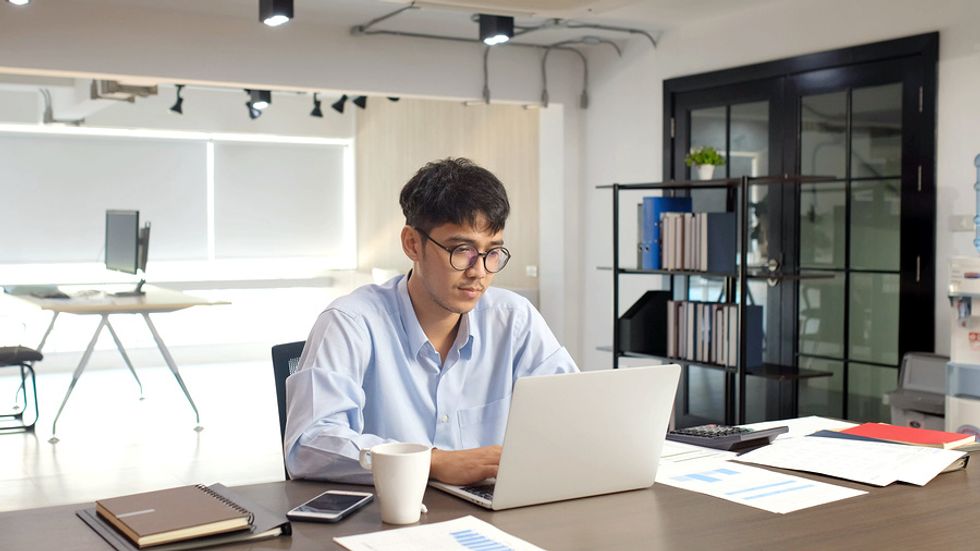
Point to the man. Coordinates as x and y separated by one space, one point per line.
430 357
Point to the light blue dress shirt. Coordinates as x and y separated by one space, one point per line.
369 375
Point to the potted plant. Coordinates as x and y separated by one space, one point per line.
705 159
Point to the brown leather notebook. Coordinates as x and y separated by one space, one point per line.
174 514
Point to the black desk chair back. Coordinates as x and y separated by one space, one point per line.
23 357
285 362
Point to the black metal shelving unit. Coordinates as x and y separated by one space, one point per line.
736 283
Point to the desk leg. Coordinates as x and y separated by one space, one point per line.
173 369
44 339
76 375
125 357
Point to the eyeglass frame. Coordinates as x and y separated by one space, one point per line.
451 250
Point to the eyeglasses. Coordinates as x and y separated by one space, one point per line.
463 257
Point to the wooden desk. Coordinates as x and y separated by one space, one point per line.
941 515
85 302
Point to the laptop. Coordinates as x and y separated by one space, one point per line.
578 435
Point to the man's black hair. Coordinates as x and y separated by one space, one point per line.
454 191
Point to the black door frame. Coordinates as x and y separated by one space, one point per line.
781 80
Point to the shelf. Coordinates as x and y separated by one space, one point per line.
676 272
679 184
789 275
722 183
761 180
641 355
785 372
763 275
765 371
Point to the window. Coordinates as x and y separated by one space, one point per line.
209 197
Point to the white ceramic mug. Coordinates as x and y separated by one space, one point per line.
401 472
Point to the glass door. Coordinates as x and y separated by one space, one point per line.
738 127
866 117
854 124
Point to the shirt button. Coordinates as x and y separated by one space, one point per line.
444 419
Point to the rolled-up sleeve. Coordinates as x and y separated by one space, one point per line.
325 402
540 353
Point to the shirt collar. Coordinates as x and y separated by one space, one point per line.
413 329
410 322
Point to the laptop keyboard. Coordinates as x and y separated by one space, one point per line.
485 491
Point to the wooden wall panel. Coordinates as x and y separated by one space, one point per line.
394 139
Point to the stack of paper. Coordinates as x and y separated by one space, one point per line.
873 463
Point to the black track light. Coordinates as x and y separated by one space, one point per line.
178 106
360 101
338 105
259 99
253 112
316 112
393 99
275 12
496 29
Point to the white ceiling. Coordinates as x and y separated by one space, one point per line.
452 17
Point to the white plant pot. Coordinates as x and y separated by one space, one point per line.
705 172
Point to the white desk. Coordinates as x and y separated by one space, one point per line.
155 300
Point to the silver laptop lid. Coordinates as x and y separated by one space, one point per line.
584 434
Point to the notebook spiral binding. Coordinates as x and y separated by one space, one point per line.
226 501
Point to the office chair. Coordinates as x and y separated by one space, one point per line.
285 361
23 357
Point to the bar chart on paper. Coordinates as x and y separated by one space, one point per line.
463 534
471 539
772 491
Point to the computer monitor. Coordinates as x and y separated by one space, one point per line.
126 244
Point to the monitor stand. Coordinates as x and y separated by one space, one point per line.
138 292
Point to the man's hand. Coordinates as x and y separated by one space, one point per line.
464 466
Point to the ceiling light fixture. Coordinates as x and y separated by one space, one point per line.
275 12
260 99
253 113
338 105
178 106
390 98
496 29
19 2
360 101
316 112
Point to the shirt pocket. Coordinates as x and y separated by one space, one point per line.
483 425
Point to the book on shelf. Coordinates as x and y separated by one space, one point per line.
699 242
185 517
651 215
912 436
642 245
708 332
716 234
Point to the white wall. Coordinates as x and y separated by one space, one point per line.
623 126
168 41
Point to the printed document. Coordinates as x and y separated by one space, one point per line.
767 490
803 426
463 534
874 463
674 452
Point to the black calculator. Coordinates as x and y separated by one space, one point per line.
725 437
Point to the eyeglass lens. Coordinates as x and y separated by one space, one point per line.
464 257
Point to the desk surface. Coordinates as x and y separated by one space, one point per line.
155 299
943 514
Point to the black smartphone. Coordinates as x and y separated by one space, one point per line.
330 506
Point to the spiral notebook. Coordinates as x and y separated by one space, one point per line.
186 517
